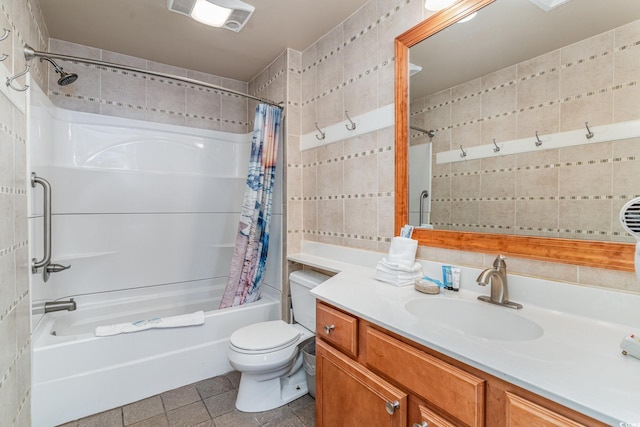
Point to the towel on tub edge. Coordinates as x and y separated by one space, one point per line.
192 319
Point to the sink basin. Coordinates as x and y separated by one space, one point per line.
475 318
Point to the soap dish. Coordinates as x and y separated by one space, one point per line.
427 287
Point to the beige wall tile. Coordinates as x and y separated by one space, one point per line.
358 178
331 216
361 217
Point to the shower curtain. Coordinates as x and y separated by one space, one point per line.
252 240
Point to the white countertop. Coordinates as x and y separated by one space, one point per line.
577 362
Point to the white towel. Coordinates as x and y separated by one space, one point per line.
384 264
402 251
396 274
397 280
191 319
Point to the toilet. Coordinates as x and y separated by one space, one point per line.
268 355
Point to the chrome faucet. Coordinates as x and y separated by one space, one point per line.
69 305
497 276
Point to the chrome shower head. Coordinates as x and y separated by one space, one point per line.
65 78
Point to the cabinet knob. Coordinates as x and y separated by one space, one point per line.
328 329
424 424
392 406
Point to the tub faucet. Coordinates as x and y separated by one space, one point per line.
497 276
69 305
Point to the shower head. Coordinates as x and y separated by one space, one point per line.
65 78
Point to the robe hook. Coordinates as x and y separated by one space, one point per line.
352 125
464 153
496 149
589 134
5 34
11 79
322 134
538 141
3 57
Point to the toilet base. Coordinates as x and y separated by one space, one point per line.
259 396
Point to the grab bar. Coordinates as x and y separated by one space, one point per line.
46 258
423 195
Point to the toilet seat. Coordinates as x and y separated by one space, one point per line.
265 337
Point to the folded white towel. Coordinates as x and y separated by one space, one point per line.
397 280
191 319
384 264
398 275
402 251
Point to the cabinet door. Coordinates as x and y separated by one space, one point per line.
349 395
524 413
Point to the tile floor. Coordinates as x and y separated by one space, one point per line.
208 403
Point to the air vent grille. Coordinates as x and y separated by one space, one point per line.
237 19
630 217
181 6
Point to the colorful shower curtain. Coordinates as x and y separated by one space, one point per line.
252 241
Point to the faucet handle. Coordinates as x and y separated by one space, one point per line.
500 262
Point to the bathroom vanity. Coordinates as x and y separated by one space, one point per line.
392 356
369 376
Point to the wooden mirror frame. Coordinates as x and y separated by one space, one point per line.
609 255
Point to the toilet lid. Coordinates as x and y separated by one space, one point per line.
264 336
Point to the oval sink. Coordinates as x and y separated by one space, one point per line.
475 318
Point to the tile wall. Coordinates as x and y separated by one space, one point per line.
574 192
138 96
343 192
24 19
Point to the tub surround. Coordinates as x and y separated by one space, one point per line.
75 373
577 362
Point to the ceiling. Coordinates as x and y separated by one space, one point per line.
508 32
147 29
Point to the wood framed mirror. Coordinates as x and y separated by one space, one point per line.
598 254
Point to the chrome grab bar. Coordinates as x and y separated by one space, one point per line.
423 195
46 258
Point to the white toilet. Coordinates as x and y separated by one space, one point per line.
268 355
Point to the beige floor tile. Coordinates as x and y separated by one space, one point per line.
189 415
222 403
179 397
111 418
142 409
157 421
213 386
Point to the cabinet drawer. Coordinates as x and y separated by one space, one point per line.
338 328
454 391
524 413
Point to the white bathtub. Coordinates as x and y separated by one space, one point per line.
76 374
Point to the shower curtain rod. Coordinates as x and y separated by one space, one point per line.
30 53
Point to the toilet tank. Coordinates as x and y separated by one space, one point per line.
304 304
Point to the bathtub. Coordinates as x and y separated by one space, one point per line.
76 374
146 214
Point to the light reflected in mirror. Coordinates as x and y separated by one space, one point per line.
509 73
535 204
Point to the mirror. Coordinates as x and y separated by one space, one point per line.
534 241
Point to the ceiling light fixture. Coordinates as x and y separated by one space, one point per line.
436 5
547 5
229 14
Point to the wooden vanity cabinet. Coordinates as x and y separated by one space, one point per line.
368 376
347 394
